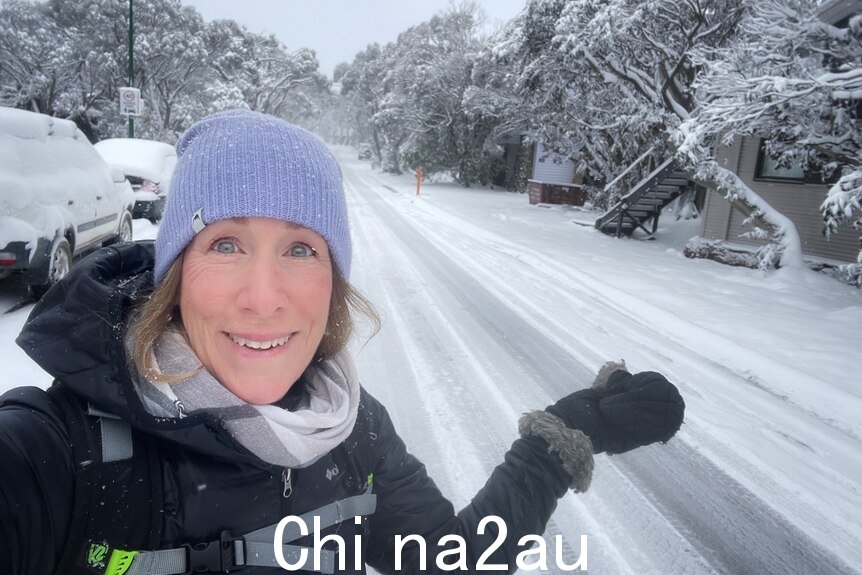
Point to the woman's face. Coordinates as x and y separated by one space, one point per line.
254 298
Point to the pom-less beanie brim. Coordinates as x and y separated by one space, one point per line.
245 164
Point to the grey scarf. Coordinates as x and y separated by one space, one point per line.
285 438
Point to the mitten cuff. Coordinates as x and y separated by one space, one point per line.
572 446
609 374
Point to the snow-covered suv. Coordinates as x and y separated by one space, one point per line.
58 198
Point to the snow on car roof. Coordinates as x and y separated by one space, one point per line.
146 159
24 124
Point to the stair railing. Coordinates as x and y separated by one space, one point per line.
619 210
632 166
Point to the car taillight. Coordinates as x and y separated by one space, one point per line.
7 259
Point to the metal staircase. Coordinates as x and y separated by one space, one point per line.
645 200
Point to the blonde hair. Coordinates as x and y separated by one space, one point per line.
156 315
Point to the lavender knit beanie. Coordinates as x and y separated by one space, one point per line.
245 164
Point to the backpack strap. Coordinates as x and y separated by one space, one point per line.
117 475
253 549
116 435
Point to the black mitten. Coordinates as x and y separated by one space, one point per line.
623 411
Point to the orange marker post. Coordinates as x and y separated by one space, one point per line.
418 179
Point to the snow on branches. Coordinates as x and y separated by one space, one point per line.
842 206
604 81
794 80
429 99
68 58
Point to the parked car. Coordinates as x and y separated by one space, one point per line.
58 198
148 166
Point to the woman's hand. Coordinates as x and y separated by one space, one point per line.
622 411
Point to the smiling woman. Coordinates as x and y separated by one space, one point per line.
204 392
254 299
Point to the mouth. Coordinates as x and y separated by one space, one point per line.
259 344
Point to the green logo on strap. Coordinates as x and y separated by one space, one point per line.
96 555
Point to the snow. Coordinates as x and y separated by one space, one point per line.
493 307
768 362
731 185
13 229
24 124
154 161
49 176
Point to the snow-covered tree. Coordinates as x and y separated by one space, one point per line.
495 112
57 58
32 54
67 58
170 65
362 91
606 81
796 81
419 101
429 79
260 70
421 115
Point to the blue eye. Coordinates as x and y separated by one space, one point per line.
225 246
302 251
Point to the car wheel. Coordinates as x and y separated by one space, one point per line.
125 233
59 266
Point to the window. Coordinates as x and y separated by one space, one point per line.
768 169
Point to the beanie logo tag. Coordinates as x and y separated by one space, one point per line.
198 221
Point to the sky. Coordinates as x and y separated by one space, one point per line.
337 29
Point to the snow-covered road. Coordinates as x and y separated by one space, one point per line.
481 325
493 307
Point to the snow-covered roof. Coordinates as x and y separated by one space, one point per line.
148 159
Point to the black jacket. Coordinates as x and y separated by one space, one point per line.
210 482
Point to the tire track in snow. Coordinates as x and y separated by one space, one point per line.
481 439
433 421
484 436
640 531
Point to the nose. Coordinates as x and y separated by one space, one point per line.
261 292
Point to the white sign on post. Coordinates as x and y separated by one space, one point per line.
130 102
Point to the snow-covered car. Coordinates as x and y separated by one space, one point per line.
58 198
148 165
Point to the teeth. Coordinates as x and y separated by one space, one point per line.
259 344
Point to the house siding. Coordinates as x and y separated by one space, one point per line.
716 216
550 168
799 202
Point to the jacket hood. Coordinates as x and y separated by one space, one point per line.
76 333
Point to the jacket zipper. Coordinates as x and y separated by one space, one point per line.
286 481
